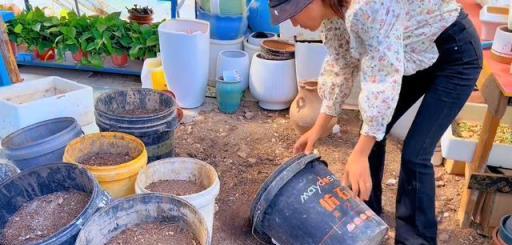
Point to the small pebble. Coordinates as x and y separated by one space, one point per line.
242 155
249 115
391 182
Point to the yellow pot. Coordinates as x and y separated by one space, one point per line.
153 75
117 180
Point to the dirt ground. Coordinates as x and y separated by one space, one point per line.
246 147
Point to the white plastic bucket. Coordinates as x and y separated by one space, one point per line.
184 47
180 168
217 46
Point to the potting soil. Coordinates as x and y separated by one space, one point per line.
175 187
154 233
42 217
105 159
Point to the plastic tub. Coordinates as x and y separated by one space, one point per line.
155 125
45 180
185 169
224 27
139 209
302 202
119 179
41 143
184 49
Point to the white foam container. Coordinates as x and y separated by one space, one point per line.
491 19
37 100
180 168
455 148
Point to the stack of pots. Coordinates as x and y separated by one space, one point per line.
273 80
147 114
228 22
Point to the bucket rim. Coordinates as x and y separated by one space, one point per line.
7 144
119 201
95 193
264 196
135 117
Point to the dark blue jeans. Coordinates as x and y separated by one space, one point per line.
446 86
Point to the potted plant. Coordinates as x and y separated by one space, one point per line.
71 38
144 41
140 15
120 43
100 37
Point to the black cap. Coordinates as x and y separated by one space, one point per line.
282 10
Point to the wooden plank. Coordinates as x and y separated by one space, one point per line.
8 55
454 167
488 182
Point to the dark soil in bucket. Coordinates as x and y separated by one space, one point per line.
175 187
154 233
105 159
43 217
140 112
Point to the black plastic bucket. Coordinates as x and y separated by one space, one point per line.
139 209
146 114
302 202
41 143
45 180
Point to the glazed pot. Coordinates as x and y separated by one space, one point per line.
224 7
184 49
120 60
224 27
256 38
306 107
236 60
273 82
141 19
217 46
277 50
501 50
48 55
229 95
259 17
251 49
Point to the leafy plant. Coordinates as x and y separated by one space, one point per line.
144 41
141 11
35 29
74 34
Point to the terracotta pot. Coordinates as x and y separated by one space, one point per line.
49 55
141 19
78 56
120 60
500 50
273 49
306 107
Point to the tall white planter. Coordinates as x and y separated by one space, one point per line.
217 46
273 82
309 58
184 48
234 60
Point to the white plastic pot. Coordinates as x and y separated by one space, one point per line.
491 17
38 100
180 168
309 58
273 82
254 40
251 49
234 60
184 49
501 49
217 46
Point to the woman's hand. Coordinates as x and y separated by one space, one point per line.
306 143
357 169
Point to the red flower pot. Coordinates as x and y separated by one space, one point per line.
49 55
78 56
120 60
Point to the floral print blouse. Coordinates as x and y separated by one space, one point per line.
379 42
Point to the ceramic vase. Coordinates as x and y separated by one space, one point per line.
306 107
256 38
251 49
229 95
184 49
236 60
259 17
217 46
273 82
501 50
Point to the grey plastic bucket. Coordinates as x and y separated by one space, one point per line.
44 180
41 143
139 209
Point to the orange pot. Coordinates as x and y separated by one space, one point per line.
120 60
49 55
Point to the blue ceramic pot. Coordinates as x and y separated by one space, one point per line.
259 17
229 95
224 27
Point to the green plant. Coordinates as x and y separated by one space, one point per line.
74 34
35 29
144 41
141 11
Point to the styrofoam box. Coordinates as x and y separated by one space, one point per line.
455 148
33 101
